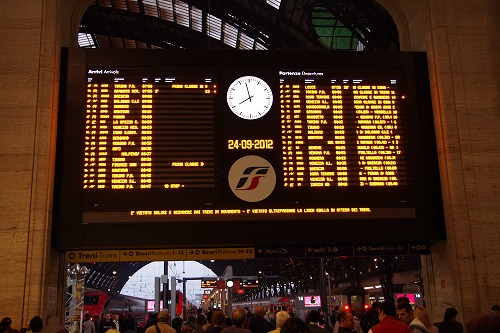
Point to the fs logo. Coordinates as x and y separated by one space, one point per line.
252 178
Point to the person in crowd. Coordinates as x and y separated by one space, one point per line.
484 323
95 320
336 325
388 321
417 325
152 320
346 322
218 322
162 326
127 323
271 317
422 314
335 314
116 320
5 324
191 320
370 318
106 323
248 317
201 321
281 317
209 322
450 323
312 321
238 318
36 324
88 325
258 324
405 313
402 299
321 321
186 328
177 324
294 325
357 315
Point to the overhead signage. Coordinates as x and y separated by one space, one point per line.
279 252
221 253
390 249
92 256
419 248
249 283
209 284
153 255
309 251
330 250
159 255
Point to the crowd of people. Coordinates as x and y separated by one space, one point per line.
383 317
35 326
123 323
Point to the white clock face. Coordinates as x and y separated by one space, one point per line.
249 97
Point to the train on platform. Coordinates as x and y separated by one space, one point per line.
347 298
97 302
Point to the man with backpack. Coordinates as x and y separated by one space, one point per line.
370 318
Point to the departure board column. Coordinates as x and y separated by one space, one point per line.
378 136
292 135
146 134
127 141
97 127
340 135
321 143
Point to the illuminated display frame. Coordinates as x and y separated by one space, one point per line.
354 214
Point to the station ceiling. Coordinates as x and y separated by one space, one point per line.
361 25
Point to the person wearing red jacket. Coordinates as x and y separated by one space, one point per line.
388 322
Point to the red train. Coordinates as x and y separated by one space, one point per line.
97 302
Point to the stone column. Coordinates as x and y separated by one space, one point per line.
462 43
32 280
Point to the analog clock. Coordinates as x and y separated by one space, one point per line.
249 97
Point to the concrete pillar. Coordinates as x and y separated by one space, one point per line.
462 43
33 279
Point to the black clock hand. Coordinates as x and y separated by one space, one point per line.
248 99
248 91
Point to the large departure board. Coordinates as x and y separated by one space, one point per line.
246 140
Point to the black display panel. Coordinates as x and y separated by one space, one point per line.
317 147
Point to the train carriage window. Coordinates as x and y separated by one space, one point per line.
91 300
356 302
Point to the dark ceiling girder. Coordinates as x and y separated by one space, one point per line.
263 25
150 30
259 17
